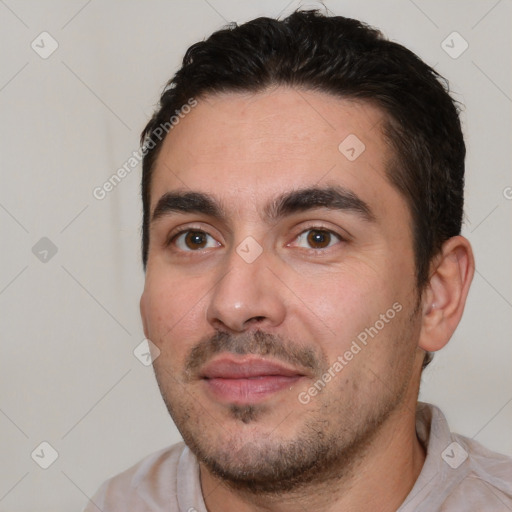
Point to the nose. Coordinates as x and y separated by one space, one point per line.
247 295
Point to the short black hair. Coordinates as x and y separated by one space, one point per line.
349 59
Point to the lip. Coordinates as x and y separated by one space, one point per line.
247 380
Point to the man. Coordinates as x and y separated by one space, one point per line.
302 196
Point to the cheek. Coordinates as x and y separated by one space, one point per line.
174 311
342 300
346 304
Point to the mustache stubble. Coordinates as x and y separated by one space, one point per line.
257 343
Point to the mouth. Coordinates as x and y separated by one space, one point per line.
247 380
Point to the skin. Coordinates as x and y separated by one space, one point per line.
244 150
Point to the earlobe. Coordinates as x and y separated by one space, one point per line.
445 295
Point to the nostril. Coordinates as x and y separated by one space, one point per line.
256 319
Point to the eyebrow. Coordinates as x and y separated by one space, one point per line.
288 203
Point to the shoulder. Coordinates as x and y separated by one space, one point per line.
148 485
459 473
487 483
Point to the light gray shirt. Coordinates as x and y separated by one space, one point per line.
459 475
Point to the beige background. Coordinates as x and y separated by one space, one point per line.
69 325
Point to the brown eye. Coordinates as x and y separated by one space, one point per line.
317 239
193 240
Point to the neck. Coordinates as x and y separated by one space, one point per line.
380 479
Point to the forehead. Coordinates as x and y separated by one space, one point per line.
243 147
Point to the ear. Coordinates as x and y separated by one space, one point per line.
445 295
142 305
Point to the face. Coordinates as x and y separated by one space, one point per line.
280 284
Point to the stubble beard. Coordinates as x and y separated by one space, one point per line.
318 453
269 465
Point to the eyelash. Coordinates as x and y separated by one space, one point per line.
172 238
